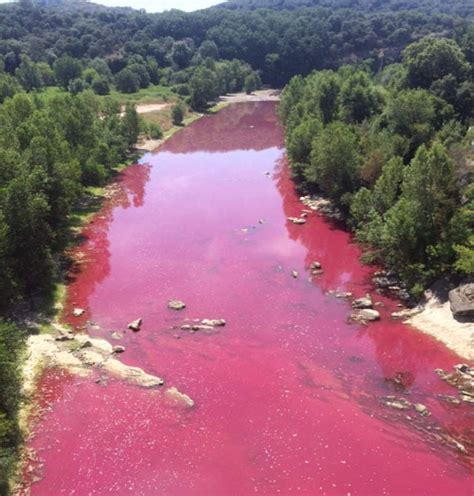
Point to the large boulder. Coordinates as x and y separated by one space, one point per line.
461 300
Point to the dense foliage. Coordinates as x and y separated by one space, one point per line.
393 152
11 342
50 150
279 44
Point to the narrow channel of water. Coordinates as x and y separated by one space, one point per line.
287 395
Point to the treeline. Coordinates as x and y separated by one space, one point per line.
49 151
393 152
459 7
279 44
196 75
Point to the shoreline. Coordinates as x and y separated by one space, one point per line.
434 317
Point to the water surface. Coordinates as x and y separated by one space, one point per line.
288 393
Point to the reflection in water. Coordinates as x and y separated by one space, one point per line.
288 394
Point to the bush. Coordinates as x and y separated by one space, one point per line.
155 131
177 114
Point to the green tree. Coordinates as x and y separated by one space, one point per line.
334 161
28 74
131 125
431 59
127 82
66 69
359 99
177 114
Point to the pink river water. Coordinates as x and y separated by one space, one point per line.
288 394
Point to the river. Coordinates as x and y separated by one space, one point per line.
288 394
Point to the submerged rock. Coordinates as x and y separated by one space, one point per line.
135 325
132 374
179 397
294 274
461 300
176 305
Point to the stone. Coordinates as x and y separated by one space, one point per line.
315 266
214 322
340 294
178 397
461 300
64 336
365 315
135 325
363 303
421 409
117 335
186 327
176 305
397 404
78 312
294 274
297 220
118 349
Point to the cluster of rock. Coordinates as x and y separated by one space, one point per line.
323 205
387 281
364 311
462 378
403 404
316 268
461 300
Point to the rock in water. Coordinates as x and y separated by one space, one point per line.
297 220
119 349
365 315
421 409
78 312
362 303
176 305
294 274
214 322
461 300
135 325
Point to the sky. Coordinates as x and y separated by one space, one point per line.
160 5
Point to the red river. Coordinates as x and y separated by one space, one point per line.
288 394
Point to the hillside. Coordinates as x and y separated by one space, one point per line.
462 8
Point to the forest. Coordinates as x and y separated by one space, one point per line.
394 152
377 109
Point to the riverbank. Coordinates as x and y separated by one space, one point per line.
433 315
435 318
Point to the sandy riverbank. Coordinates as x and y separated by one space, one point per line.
435 318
